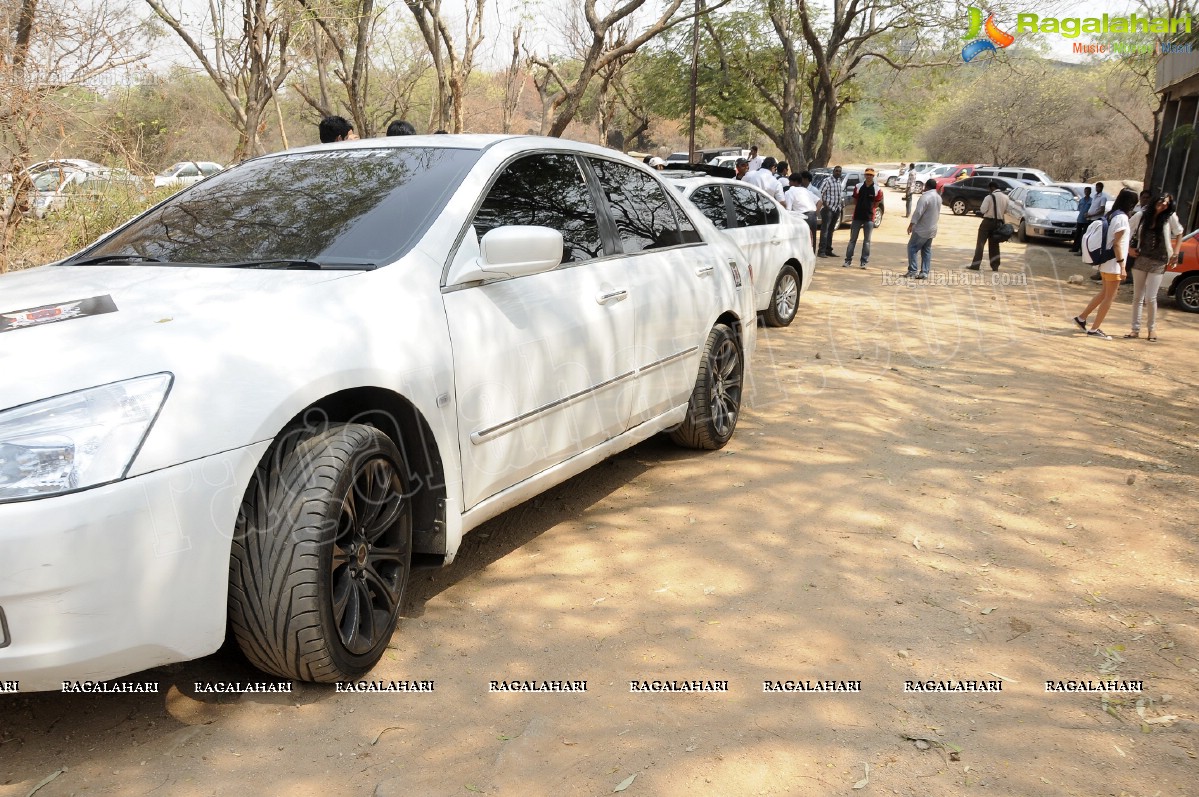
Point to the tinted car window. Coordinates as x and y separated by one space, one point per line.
644 215
687 232
339 206
745 204
976 182
546 190
768 209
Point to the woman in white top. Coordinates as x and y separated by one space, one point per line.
1148 272
1111 270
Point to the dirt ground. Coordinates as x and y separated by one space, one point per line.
944 482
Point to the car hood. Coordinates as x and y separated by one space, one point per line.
1051 215
71 327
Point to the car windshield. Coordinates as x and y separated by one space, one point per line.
48 181
1051 200
361 206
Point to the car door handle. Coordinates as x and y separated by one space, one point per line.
775 242
704 271
604 298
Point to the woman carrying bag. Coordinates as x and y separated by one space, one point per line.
992 230
1148 270
1108 253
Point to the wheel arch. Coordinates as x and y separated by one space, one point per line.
1182 277
399 419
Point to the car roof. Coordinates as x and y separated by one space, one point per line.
689 184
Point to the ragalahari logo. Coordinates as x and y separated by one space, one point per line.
978 43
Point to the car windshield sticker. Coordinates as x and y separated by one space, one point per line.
49 313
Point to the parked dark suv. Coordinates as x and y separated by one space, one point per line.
966 196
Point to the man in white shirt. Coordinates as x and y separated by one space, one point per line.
923 228
782 173
755 160
802 202
764 178
1100 204
993 208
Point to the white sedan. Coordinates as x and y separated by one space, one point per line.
258 401
777 242
186 173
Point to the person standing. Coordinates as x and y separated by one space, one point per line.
1098 204
1111 270
922 229
866 196
783 173
764 178
741 167
755 160
909 190
993 208
335 128
832 194
1140 226
1148 271
1080 224
401 127
801 202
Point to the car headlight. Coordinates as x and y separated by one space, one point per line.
77 440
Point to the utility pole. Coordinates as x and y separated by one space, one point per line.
699 4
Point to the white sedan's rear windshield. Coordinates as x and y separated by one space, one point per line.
361 206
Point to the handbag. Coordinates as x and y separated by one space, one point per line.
1003 232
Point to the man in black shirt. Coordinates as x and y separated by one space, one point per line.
865 197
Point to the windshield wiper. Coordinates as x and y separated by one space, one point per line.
95 261
301 265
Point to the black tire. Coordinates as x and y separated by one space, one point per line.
1022 233
878 217
784 299
715 401
892 182
321 554
1186 293
958 207
918 188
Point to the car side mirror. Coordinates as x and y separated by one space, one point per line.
513 251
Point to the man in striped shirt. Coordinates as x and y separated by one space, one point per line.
832 194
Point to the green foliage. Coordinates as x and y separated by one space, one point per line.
65 231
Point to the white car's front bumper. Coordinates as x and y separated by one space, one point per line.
117 579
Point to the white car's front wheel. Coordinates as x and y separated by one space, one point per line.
715 403
321 554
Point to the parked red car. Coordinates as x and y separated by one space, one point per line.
961 171
1182 279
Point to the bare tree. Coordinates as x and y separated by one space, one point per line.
453 61
243 46
1138 75
50 47
514 81
347 31
596 49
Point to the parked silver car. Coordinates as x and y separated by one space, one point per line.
1042 212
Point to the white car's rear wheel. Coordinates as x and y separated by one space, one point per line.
321 554
715 403
784 300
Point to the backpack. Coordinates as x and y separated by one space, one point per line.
1096 249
